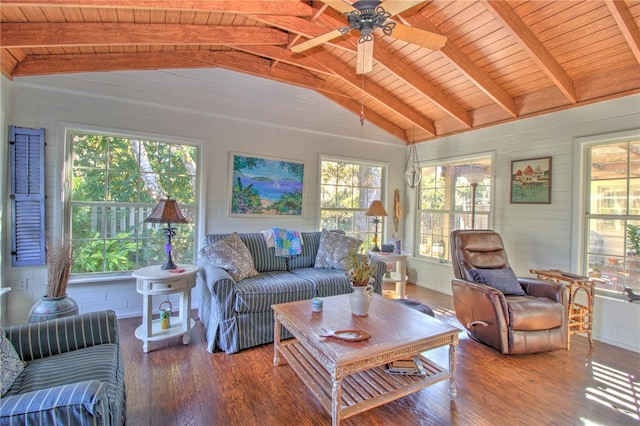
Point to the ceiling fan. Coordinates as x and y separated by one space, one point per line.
367 16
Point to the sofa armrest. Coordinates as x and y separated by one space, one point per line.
77 403
52 337
545 288
218 285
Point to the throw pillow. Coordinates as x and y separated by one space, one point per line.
503 279
10 364
232 255
333 249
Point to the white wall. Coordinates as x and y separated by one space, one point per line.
538 236
226 111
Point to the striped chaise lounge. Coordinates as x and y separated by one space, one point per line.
74 373
238 315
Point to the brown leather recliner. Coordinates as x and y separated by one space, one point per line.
513 324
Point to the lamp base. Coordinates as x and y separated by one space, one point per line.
169 264
375 248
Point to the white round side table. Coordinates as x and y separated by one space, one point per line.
154 281
399 277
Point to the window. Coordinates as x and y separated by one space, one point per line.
115 184
446 202
612 214
347 188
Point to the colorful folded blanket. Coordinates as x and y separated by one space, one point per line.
288 242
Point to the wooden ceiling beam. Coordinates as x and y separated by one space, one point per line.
534 48
100 62
623 17
304 28
98 34
467 67
271 7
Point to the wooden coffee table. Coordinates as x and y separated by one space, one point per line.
348 378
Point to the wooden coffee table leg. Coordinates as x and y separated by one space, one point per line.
276 341
452 370
336 398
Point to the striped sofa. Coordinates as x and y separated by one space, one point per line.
238 315
74 373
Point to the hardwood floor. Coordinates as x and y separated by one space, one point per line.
185 385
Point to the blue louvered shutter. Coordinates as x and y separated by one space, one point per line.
27 196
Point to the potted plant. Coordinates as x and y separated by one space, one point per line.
361 273
56 303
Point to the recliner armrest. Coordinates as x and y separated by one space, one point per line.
77 403
41 339
545 288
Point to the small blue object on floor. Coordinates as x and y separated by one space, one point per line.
416 305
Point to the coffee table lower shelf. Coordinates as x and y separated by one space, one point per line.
361 391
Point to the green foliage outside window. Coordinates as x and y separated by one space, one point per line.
116 183
347 189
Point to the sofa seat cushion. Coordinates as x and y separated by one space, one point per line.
327 282
528 313
99 362
257 294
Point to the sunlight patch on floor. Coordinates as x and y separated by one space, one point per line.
615 389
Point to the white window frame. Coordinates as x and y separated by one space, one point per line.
581 201
383 190
470 158
62 205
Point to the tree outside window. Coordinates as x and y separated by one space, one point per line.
613 215
446 203
347 188
116 183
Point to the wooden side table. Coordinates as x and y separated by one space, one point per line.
580 315
154 281
399 277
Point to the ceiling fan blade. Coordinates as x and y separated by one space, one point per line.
395 7
364 61
419 37
316 41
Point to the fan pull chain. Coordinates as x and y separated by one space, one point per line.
362 103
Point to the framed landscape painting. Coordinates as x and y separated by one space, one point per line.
531 181
265 186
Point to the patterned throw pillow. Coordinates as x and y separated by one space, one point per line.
503 279
232 255
333 250
10 364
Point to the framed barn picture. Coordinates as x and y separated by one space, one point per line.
531 181
265 186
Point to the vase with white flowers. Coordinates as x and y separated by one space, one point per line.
56 303
361 273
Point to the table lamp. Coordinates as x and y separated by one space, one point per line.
376 209
167 211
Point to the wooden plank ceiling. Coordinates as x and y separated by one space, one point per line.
503 60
